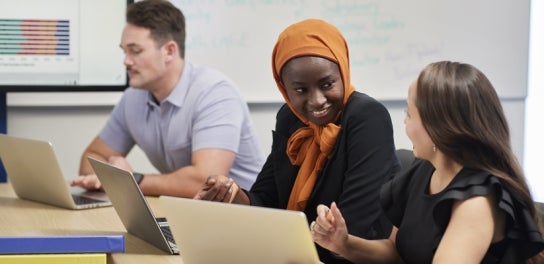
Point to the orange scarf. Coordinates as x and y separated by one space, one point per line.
310 146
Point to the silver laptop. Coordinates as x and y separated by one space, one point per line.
34 173
213 232
132 207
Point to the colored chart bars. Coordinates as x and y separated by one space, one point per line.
34 37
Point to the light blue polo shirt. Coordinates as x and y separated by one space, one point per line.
205 110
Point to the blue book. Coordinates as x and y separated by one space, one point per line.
62 244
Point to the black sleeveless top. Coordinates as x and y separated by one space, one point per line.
422 218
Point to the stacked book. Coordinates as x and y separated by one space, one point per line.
90 249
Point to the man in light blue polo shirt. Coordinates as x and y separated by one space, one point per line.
189 120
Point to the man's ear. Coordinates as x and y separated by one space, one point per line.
171 50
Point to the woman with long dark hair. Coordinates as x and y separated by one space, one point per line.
465 199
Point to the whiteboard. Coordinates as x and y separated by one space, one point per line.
390 41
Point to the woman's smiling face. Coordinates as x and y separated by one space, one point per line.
314 87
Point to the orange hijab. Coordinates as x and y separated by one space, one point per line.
310 146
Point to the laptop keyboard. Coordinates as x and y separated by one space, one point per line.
167 232
78 199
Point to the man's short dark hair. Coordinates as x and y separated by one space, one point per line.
164 20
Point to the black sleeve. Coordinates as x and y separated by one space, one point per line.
370 162
269 189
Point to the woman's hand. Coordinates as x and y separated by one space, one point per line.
218 188
329 230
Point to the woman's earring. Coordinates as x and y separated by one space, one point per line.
434 148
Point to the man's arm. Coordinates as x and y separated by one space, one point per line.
186 181
98 149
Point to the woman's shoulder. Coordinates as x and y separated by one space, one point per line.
285 115
521 227
286 120
471 182
360 105
363 100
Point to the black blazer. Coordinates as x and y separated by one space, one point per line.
362 160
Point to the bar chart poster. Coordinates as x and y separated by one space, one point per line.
34 37
39 42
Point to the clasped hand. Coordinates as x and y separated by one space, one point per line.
218 188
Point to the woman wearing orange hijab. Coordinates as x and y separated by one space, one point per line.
331 143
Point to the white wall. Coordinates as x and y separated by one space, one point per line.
389 40
534 129
71 128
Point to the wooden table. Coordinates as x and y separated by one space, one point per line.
23 217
